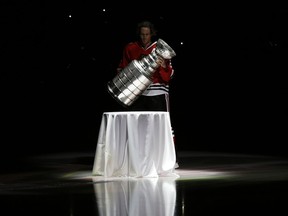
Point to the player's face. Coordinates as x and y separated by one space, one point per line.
145 35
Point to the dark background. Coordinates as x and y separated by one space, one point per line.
229 92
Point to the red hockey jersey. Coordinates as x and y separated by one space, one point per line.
161 77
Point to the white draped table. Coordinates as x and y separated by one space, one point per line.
135 144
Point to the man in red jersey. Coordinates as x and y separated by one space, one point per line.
156 96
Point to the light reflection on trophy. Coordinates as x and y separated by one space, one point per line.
134 79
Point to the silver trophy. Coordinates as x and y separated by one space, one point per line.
134 79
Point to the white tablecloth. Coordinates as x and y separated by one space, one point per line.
135 144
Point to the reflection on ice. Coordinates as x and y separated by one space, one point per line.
136 196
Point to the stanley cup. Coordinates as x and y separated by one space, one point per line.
134 79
